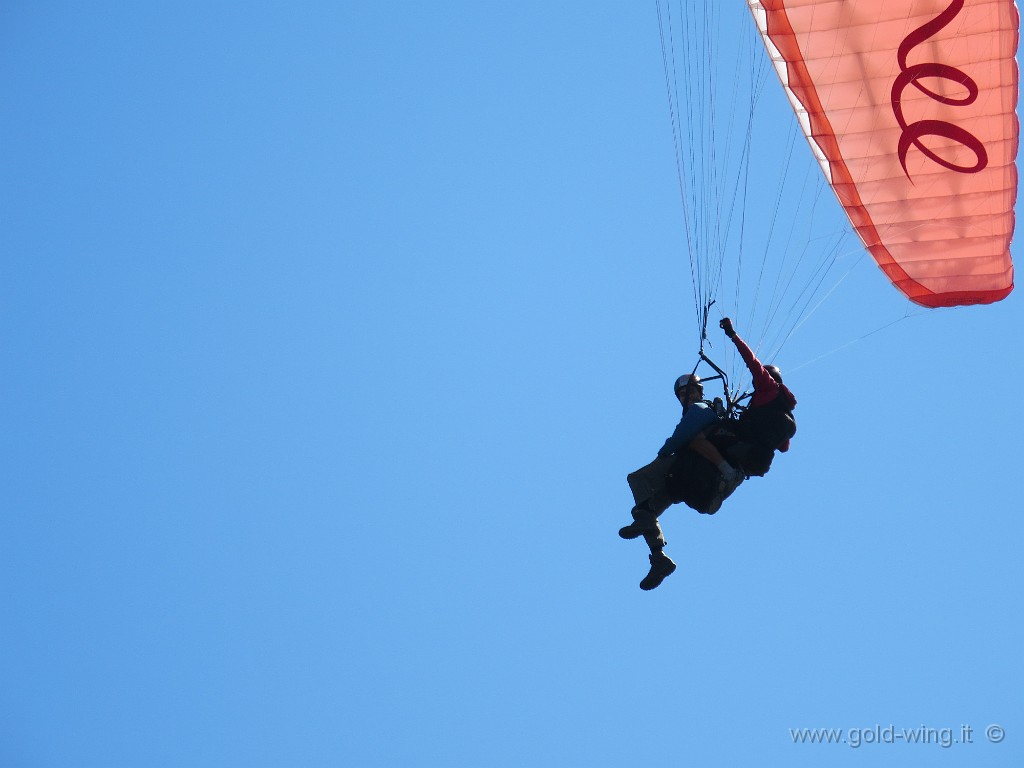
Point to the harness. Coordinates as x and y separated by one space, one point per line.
748 436
769 425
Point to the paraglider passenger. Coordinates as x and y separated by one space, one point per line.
650 484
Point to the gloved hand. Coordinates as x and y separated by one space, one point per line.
726 325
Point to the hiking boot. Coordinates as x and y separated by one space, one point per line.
642 522
631 531
661 567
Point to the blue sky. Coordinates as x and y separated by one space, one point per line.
330 332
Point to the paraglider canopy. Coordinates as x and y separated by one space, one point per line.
910 108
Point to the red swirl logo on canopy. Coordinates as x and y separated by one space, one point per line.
913 133
946 71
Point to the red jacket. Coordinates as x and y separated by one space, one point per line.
766 389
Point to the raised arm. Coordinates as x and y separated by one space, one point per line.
762 379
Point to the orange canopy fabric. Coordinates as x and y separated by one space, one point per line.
909 106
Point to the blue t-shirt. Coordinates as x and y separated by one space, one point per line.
696 418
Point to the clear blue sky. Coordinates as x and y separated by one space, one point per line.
329 334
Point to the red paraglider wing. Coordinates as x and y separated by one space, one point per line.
909 106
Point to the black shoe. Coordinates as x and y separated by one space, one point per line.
661 567
642 521
631 531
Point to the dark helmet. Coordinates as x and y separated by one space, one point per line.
774 372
